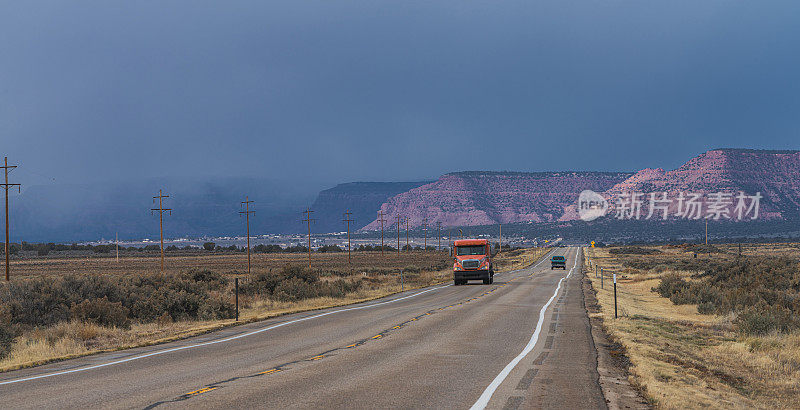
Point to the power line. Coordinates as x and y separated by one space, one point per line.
161 211
308 220
6 169
347 220
247 213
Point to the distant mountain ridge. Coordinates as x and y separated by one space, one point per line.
490 197
775 174
363 199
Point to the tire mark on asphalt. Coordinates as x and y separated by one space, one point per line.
548 344
541 358
513 403
527 379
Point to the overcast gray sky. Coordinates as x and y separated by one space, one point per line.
389 90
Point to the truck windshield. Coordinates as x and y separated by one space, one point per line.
470 250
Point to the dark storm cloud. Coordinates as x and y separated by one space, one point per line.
340 90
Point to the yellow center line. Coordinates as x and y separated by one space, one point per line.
317 357
352 345
396 327
270 371
201 391
377 336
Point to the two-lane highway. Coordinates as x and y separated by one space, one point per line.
521 342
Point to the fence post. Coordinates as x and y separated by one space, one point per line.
615 296
602 274
402 282
237 298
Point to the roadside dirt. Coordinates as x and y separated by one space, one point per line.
612 359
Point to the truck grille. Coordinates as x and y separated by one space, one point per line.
470 264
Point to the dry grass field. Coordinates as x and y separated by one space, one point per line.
681 358
279 284
132 263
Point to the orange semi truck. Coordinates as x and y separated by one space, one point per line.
473 261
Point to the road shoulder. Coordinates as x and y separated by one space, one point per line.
612 359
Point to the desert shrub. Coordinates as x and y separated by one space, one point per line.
215 309
294 283
706 308
763 291
633 250
215 280
293 289
339 288
660 268
762 319
114 300
102 312
7 335
704 249
659 265
411 269
670 284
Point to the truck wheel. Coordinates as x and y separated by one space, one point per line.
487 281
456 282
491 279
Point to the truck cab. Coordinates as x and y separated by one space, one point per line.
472 261
559 262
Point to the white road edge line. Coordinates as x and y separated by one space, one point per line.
227 339
483 401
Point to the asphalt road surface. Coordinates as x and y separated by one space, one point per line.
522 342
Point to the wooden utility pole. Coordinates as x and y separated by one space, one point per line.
706 232
6 185
161 211
501 239
308 220
381 220
425 233
408 245
438 235
247 213
116 241
398 235
347 220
